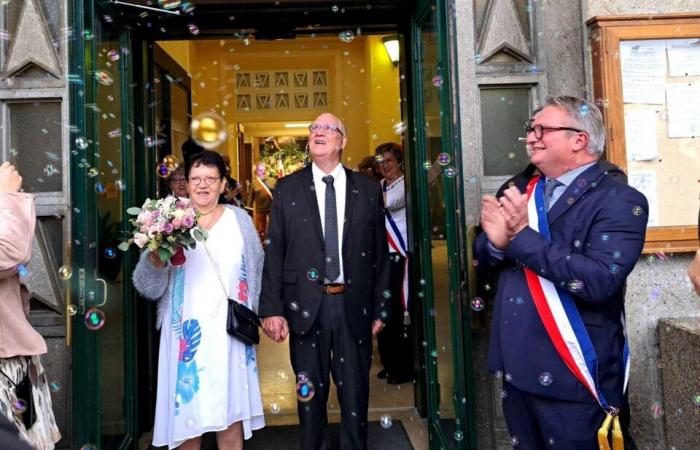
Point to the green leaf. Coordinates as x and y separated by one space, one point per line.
133 211
198 234
124 246
164 254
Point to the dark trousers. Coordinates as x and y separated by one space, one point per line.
329 348
536 422
395 342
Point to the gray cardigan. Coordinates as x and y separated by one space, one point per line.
157 283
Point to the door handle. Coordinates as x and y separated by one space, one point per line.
104 291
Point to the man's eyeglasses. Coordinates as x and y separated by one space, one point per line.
178 180
196 181
314 127
540 129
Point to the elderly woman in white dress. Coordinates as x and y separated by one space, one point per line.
207 380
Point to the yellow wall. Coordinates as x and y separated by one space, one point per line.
363 85
179 51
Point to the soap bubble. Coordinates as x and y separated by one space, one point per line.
379 158
191 423
208 130
437 80
546 378
93 172
399 127
385 421
305 388
656 410
113 55
194 29
65 272
514 441
168 4
444 159
162 171
81 143
346 36
427 165
72 310
477 304
19 406
450 172
275 408
100 188
94 319
312 274
575 285
458 435
637 211
695 399
110 253
22 271
55 386
104 77
50 170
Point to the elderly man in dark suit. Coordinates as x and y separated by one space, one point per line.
564 240
326 279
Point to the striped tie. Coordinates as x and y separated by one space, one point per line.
549 186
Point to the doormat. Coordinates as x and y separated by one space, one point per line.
286 437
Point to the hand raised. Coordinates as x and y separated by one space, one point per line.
493 222
10 179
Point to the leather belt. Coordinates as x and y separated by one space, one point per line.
333 288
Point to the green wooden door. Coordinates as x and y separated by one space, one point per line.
438 225
102 181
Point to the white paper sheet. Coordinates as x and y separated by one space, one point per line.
643 65
683 103
683 57
640 135
645 182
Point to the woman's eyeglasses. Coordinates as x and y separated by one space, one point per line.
196 181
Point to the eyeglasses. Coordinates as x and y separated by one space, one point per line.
178 180
314 127
196 181
540 129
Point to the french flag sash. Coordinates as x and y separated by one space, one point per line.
397 244
264 187
559 314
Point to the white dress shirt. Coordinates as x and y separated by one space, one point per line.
339 183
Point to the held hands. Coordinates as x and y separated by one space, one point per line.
10 179
503 218
276 328
155 260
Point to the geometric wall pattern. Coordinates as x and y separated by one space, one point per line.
281 90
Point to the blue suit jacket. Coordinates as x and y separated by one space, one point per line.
597 227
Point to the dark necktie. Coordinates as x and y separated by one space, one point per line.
549 186
331 232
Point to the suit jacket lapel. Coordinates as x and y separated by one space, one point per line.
310 194
351 193
574 192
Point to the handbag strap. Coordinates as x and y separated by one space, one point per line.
216 270
8 378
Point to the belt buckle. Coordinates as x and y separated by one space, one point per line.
333 288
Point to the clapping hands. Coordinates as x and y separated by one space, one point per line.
503 218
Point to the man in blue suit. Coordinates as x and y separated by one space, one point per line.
564 238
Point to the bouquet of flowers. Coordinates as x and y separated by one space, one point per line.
165 226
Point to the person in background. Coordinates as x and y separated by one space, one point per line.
368 166
207 380
232 193
260 198
22 378
395 342
177 183
694 268
563 242
325 275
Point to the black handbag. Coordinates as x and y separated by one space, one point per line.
242 323
23 393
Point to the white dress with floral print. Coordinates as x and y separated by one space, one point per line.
206 379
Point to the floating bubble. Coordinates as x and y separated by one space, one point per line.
498 374
93 172
110 253
379 158
444 159
508 377
191 423
335 8
187 7
19 406
94 319
614 268
100 188
104 77
550 441
604 237
163 171
65 272
55 386
312 274
293 306
81 143
385 421
637 211
514 441
22 271
120 185
695 399
656 410
511 155
450 172
171 162
546 378
208 130
305 388
275 408
575 285
477 304
386 293
577 243
458 435
50 170
72 310
169 4
113 55
194 29
504 394
305 314
149 142
87 35
437 80
88 447
346 36
399 128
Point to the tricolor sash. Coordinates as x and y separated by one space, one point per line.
264 187
397 244
563 323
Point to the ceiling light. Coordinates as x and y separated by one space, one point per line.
391 45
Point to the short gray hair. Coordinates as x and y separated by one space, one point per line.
585 116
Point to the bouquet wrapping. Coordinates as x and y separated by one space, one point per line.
166 226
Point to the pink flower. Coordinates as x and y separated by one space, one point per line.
177 223
167 228
153 230
188 222
140 239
